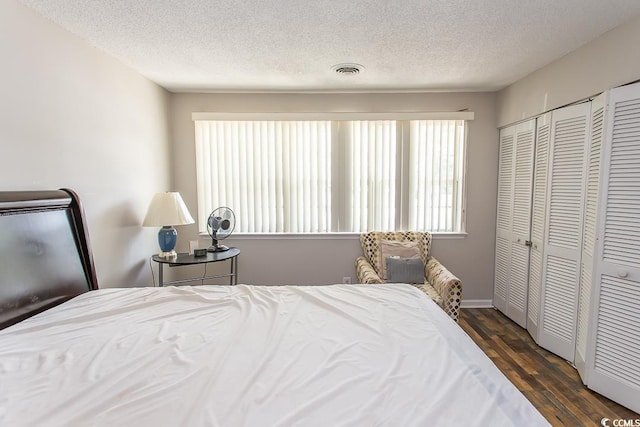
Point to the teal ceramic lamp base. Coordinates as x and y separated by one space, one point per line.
167 238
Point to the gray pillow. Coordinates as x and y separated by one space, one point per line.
405 270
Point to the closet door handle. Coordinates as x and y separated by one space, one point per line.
528 243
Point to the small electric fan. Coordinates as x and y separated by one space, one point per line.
220 225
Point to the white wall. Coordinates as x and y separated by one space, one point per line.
606 62
320 261
72 116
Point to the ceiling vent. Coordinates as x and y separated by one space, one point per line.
348 69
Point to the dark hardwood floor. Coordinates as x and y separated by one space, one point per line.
548 381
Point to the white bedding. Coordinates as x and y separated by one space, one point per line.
340 355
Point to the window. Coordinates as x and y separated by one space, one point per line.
275 175
320 176
371 186
436 175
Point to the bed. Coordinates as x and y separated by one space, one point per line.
336 355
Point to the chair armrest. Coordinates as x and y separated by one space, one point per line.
366 273
448 286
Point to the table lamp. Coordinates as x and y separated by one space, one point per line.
166 210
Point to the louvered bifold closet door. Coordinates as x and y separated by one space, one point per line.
563 239
513 220
521 223
504 218
614 354
594 163
538 222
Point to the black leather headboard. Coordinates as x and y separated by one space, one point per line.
45 254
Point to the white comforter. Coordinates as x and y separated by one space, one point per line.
341 355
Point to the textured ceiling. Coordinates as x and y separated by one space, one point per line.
449 45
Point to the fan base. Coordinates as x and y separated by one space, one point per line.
217 248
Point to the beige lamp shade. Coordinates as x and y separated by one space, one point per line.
167 209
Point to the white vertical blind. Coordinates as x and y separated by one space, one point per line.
436 164
276 175
372 175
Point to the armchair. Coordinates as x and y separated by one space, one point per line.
439 284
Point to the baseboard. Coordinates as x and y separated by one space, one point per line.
476 303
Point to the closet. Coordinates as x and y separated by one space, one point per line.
538 222
592 190
515 167
563 234
613 336
568 260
